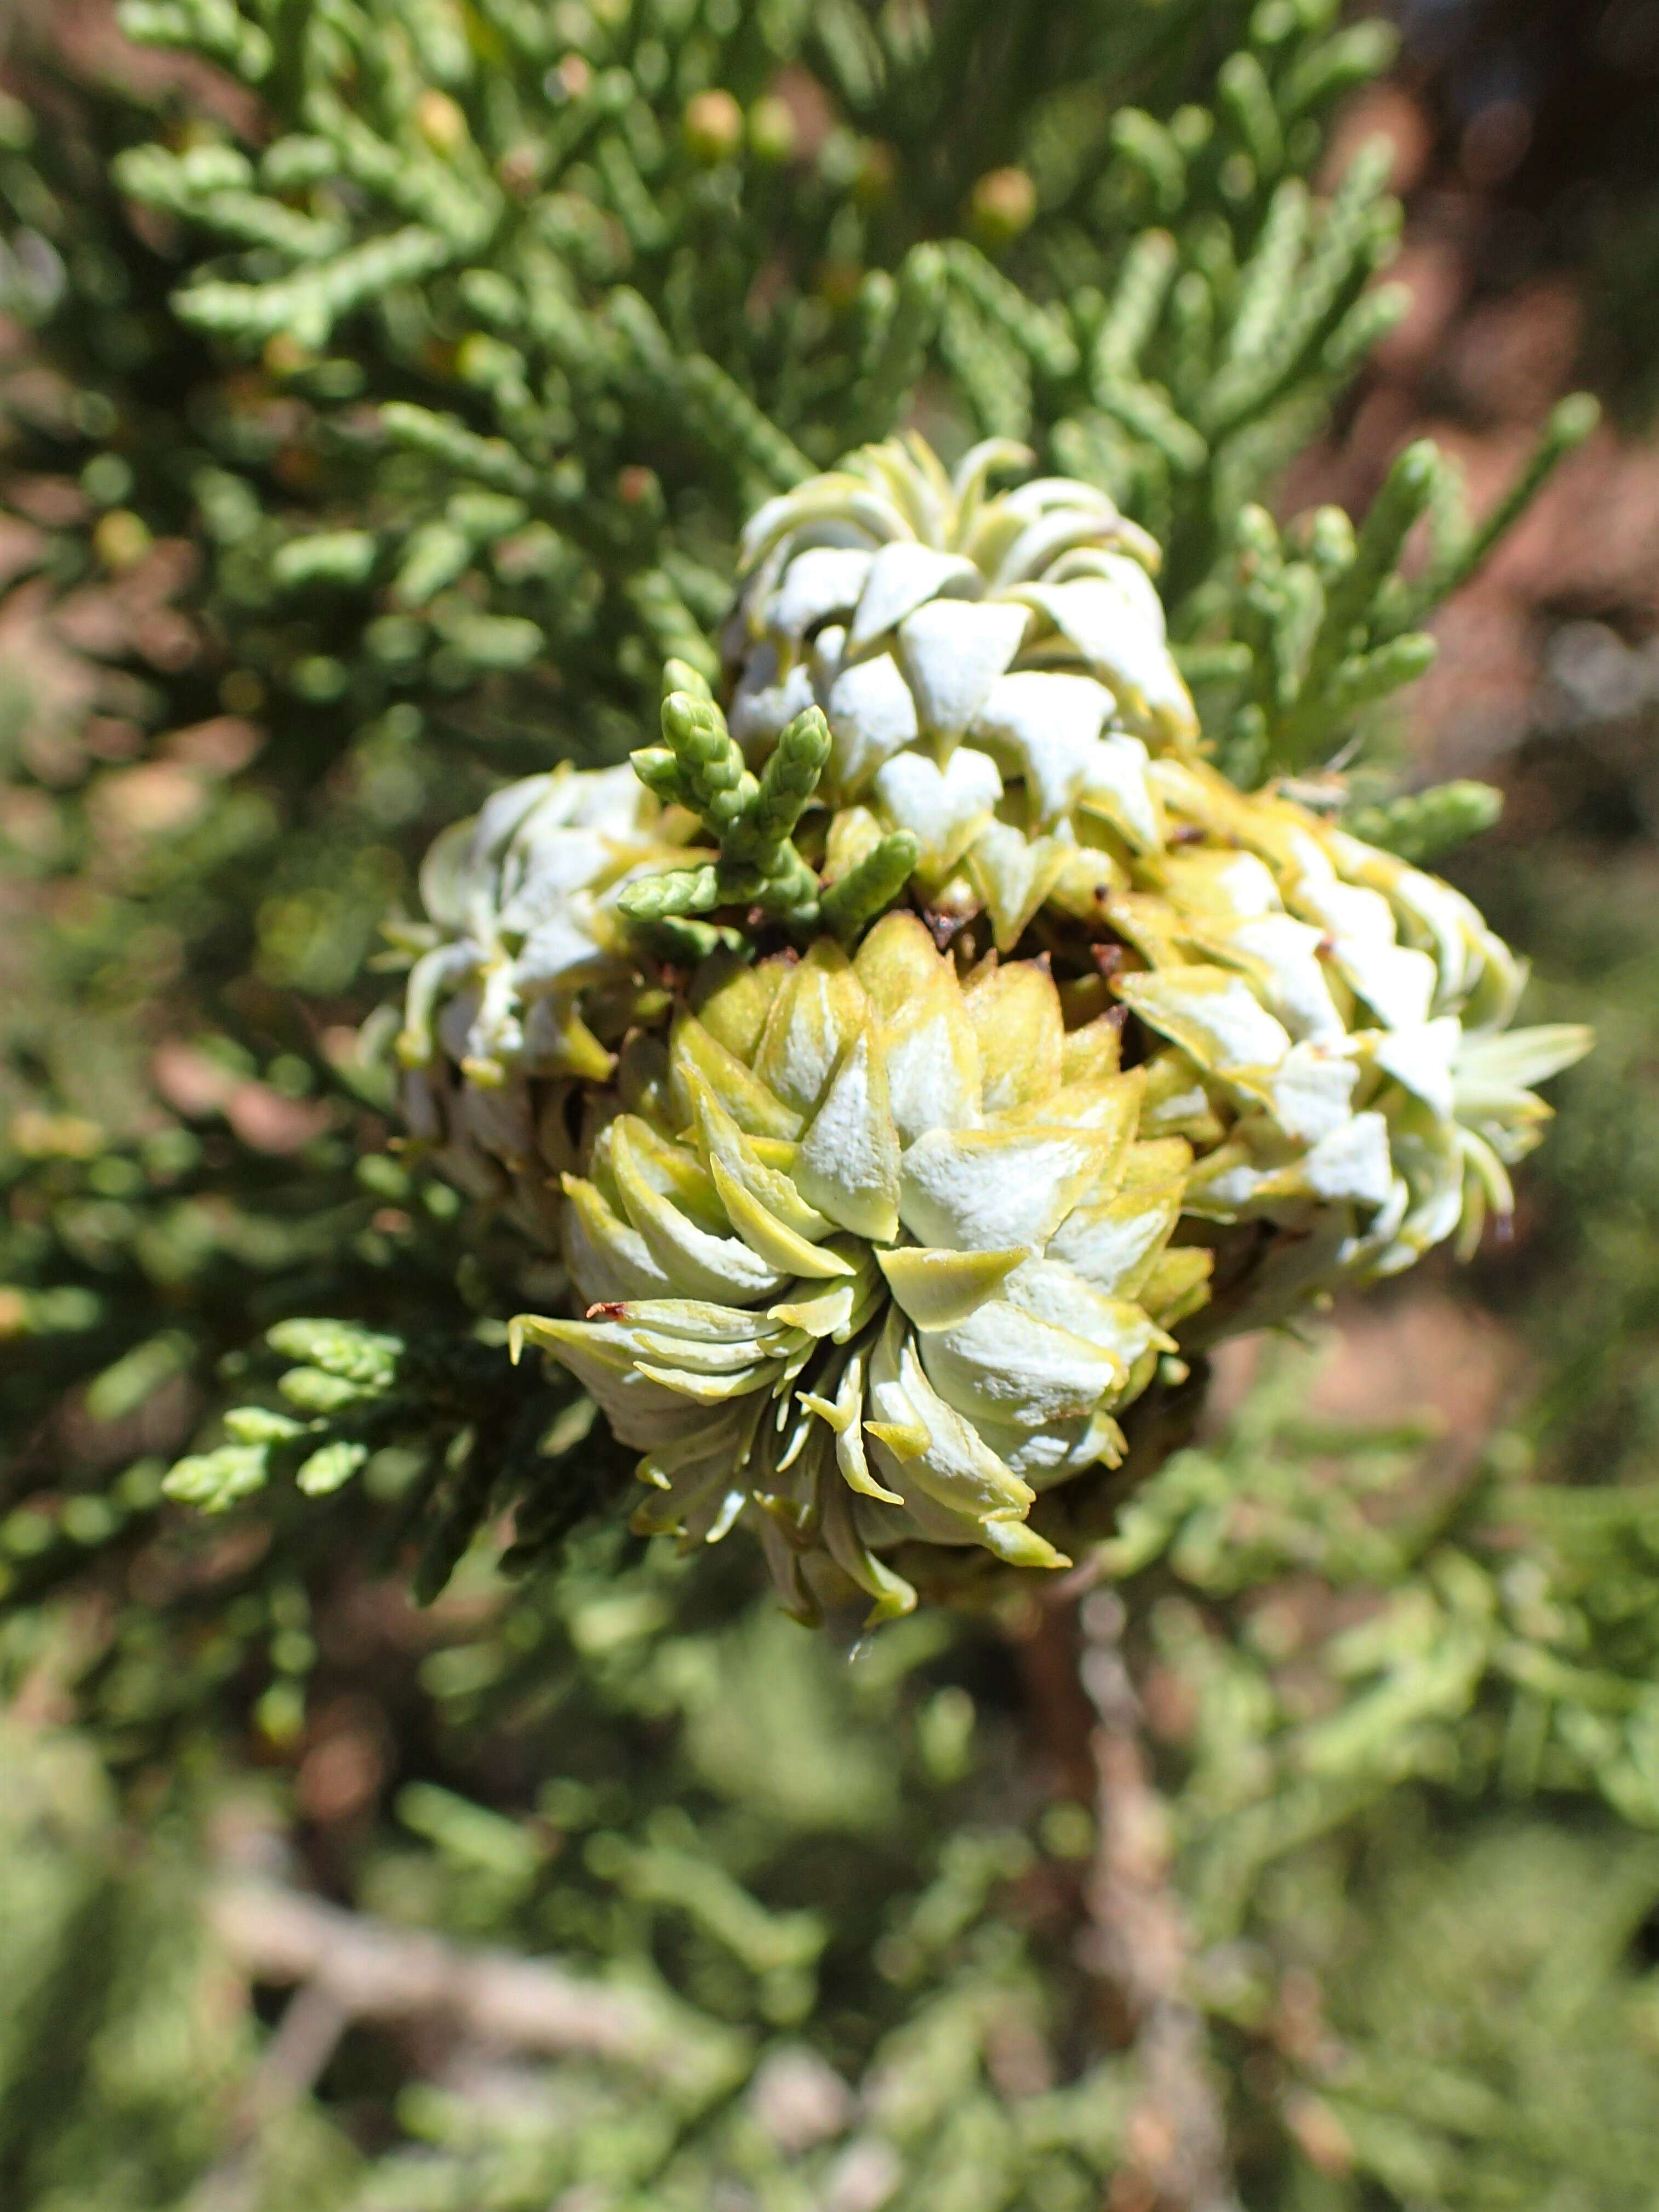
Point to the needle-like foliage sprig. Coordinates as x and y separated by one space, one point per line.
752 819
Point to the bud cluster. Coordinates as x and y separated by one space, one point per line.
913 1059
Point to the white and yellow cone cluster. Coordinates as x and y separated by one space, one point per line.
871 1252
873 1259
522 940
997 680
990 667
1335 1027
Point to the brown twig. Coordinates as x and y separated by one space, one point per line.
290 2067
372 1971
1176 2139
344 1967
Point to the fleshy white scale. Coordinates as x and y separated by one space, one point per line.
874 1243
1338 1026
874 1261
522 954
988 663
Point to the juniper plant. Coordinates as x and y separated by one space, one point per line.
398 388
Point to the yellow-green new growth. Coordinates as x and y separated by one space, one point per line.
874 1261
752 818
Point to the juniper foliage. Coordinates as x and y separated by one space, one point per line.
384 387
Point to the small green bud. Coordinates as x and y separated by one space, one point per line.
215 1480
359 1355
1002 206
121 539
435 555
315 1392
1419 825
691 943
680 676
321 678
106 480
328 1468
1572 421
678 891
261 1424
440 122
873 884
712 127
790 777
327 557
774 137
659 772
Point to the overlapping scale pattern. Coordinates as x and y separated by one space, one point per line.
871 1244
1334 1027
989 664
873 1259
997 680
523 952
